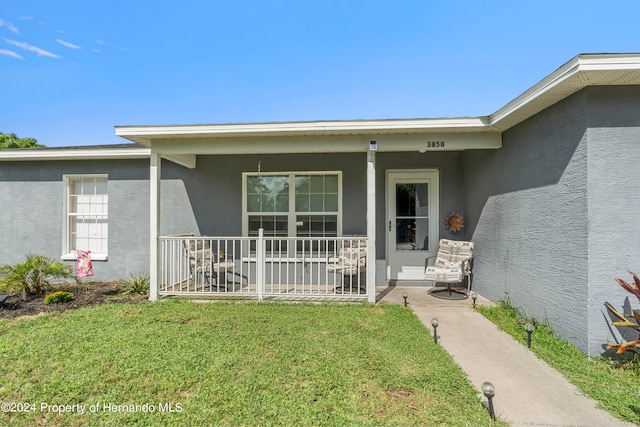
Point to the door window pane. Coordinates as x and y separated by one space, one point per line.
412 217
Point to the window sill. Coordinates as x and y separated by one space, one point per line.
71 256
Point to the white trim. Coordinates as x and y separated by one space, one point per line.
394 176
72 256
68 254
330 127
565 81
291 213
371 227
155 176
73 154
579 72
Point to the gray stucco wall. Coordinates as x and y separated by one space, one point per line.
203 201
614 198
31 218
214 188
547 212
527 206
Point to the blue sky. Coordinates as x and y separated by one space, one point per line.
72 70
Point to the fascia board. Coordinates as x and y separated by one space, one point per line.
357 127
71 154
559 81
535 91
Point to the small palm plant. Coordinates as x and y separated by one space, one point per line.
627 320
137 285
32 276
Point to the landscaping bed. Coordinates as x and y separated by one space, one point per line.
84 295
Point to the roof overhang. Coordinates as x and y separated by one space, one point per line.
181 143
580 72
104 152
145 134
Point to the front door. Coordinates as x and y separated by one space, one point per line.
412 222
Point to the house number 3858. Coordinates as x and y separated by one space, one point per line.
435 144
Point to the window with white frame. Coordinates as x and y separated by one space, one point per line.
86 215
295 204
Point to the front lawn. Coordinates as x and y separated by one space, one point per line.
182 363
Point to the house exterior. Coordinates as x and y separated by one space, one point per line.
546 185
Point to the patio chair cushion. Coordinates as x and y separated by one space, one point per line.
202 259
453 261
443 275
352 259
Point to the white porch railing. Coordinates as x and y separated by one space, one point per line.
263 267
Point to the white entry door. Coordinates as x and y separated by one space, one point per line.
412 222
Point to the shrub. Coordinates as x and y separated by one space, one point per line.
33 275
627 320
137 285
58 297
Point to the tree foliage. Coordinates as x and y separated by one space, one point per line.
11 140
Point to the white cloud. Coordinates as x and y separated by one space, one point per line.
67 44
30 48
10 53
9 26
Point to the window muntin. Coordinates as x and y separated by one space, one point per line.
86 215
295 204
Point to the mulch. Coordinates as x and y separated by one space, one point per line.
84 295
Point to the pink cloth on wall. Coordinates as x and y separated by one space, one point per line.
84 267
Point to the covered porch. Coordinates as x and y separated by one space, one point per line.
291 248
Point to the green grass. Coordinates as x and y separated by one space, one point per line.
234 364
614 385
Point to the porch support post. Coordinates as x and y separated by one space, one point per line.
155 161
371 223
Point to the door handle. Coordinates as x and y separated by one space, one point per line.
389 225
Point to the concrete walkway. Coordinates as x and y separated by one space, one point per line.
528 391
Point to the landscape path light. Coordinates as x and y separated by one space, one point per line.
474 297
405 295
489 391
435 323
529 328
